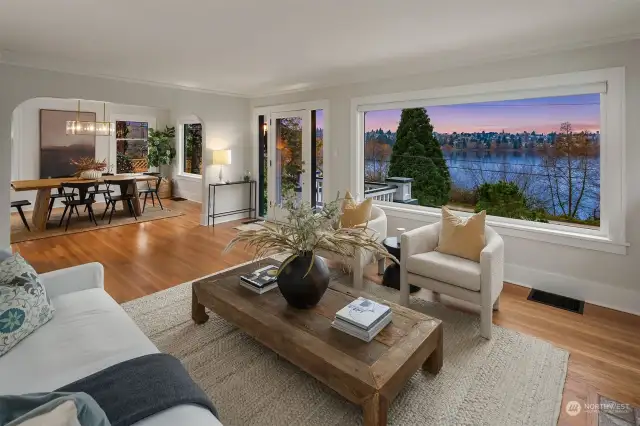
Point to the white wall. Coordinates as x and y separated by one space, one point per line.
603 278
225 120
25 129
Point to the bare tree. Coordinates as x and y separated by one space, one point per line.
570 176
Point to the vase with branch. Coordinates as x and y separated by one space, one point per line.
304 277
89 168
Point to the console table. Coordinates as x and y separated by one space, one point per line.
211 202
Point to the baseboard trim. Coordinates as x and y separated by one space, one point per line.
600 294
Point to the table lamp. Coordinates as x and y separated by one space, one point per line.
221 157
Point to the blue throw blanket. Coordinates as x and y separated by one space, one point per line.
141 387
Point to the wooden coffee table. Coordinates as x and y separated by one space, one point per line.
367 374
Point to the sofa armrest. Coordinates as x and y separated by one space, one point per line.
420 240
76 278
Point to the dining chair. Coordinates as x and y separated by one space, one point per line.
72 203
127 195
151 190
60 194
18 206
96 190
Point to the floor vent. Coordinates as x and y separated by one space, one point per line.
178 199
557 301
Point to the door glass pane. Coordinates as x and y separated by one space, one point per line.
288 157
319 159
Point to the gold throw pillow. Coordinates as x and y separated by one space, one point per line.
354 214
462 237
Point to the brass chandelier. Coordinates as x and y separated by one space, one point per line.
97 128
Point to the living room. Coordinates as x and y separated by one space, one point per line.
338 120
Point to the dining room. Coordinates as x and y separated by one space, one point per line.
81 165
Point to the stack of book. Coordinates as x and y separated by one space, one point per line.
362 318
261 280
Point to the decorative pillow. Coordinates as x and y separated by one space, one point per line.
354 214
24 305
462 237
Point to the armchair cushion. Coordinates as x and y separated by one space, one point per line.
460 237
449 269
355 214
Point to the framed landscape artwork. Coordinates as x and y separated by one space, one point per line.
57 148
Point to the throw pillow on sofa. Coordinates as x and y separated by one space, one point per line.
24 305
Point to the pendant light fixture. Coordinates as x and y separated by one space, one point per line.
98 128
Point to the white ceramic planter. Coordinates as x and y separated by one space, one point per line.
91 174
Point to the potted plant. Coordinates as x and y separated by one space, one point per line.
89 168
162 151
303 277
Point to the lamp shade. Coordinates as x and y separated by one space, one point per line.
221 157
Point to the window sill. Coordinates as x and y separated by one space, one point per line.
566 236
188 176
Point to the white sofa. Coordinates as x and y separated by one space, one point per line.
88 333
377 226
476 282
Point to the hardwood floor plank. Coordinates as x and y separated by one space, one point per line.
143 258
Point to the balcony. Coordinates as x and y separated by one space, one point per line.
393 189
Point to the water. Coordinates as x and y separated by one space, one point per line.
468 169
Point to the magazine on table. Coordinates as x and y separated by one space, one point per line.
366 335
262 277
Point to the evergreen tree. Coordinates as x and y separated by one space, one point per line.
416 154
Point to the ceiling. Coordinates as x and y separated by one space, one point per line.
258 47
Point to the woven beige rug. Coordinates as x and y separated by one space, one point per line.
511 380
82 224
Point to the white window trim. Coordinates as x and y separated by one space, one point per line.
611 237
180 148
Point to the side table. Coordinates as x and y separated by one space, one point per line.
391 277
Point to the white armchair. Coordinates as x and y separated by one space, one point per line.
378 226
479 283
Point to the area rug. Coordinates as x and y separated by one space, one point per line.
511 380
82 224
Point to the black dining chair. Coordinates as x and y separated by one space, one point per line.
72 203
18 205
57 195
96 190
126 195
153 191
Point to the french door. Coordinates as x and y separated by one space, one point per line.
290 160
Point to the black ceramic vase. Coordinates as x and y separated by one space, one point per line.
303 291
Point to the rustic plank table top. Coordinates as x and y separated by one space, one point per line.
367 374
36 184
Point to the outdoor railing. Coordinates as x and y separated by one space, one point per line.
377 190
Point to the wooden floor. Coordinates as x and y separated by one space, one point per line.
143 258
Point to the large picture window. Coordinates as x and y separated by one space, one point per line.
536 159
544 156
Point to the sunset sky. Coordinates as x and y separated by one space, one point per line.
542 115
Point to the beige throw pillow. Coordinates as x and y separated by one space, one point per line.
462 237
354 214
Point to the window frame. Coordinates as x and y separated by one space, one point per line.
180 147
611 237
113 141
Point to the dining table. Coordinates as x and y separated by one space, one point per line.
44 187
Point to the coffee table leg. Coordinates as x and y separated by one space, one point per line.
433 364
375 410
198 314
